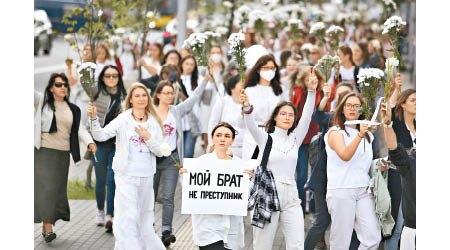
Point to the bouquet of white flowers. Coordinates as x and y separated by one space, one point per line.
238 51
333 32
369 80
325 65
295 26
318 30
241 16
257 20
87 80
392 28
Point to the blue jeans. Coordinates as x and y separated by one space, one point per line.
392 243
168 173
302 172
189 144
104 176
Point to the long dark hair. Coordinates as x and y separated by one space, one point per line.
167 55
339 118
347 51
121 92
194 75
49 99
271 123
252 78
158 90
226 125
365 53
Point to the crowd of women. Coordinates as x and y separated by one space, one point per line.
284 111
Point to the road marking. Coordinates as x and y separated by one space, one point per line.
52 68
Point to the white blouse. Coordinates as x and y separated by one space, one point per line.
353 173
210 228
284 153
226 110
264 101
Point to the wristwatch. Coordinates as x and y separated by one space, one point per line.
248 110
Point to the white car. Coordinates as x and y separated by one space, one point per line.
42 32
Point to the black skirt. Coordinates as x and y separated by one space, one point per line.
51 170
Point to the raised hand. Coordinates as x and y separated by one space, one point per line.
312 82
326 90
92 110
243 98
398 81
386 112
363 129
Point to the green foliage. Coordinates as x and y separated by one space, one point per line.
76 190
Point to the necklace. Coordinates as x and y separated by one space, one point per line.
137 118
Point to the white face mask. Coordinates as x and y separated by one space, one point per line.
216 58
268 74
127 47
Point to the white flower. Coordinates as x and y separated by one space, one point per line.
87 65
307 46
222 30
393 22
390 2
255 15
227 4
100 13
297 22
391 62
317 27
367 74
68 37
235 39
334 29
152 25
244 9
165 149
150 14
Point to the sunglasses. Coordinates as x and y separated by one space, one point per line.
59 85
111 75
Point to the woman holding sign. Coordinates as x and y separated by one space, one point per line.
349 203
287 135
219 232
138 132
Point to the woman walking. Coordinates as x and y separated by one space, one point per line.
109 95
349 203
287 134
57 132
138 131
172 119
219 232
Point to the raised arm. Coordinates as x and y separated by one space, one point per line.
109 131
336 142
187 105
303 125
257 134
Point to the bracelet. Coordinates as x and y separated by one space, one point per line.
248 110
388 125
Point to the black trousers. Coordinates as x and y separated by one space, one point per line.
219 245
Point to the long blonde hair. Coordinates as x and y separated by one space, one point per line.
150 108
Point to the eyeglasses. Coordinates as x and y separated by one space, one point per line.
60 84
111 75
284 115
264 68
167 93
350 106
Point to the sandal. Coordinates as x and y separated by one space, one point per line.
50 236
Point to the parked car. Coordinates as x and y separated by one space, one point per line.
42 32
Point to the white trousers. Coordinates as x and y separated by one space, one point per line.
408 240
352 208
290 219
134 215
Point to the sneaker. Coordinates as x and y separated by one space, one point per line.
109 224
49 237
167 238
100 218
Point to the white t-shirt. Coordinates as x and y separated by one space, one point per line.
347 75
170 131
139 154
353 173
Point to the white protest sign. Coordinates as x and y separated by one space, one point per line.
213 186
